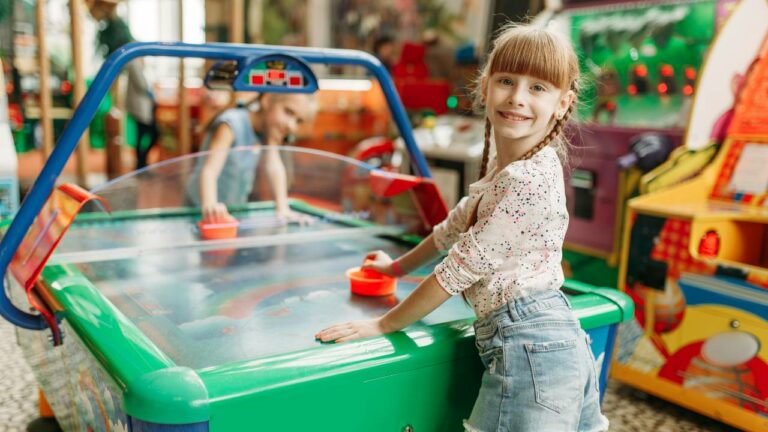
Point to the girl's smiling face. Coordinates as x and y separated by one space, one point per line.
284 114
522 109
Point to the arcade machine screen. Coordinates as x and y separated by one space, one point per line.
641 61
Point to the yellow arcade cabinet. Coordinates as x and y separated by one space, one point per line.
695 260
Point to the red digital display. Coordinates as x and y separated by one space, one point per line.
275 75
257 79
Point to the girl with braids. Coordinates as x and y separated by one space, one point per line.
225 178
504 245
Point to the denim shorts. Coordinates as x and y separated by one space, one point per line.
540 373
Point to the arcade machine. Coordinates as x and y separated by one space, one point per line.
718 87
148 318
640 61
695 260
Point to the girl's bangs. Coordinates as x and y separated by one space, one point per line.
532 53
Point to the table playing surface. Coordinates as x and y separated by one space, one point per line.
265 292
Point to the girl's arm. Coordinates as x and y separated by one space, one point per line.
423 253
278 182
447 232
222 140
423 300
277 178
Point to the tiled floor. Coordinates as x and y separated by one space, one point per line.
628 409
18 391
631 410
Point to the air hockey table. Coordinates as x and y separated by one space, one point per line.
140 324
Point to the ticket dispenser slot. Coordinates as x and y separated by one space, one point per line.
584 185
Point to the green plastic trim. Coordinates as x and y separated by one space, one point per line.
163 395
195 211
577 286
423 346
187 211
597 307
623 301
127 355
338 217
164 212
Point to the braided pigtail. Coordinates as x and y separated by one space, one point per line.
486 149
562 142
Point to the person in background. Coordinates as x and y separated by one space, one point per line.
226 175
385 49
140 104
438 56
139 98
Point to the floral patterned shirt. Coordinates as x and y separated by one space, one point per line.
515 247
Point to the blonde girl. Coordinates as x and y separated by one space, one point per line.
224 178
504 243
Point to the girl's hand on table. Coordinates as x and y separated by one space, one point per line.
380 262
216 212
289 216
351 331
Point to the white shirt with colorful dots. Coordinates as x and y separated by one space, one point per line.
515 247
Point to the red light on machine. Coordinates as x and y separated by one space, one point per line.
690 73
9 87
65 87
641 71
295 81
667 71
15 117
632 89
709 245
275 75
257 79
662 88
687 90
